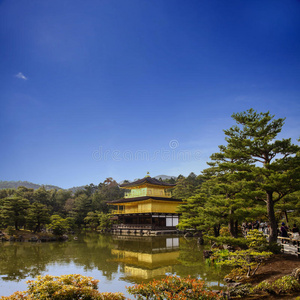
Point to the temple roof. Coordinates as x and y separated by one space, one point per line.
126 200
146 180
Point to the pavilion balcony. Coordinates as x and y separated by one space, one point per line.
134 226
138 193
141 227
142 210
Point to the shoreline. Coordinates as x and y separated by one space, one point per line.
28 236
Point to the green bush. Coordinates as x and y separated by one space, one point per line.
224 231
256 240
263 286
219 255
65 287
10 230
240 290
284 285
59 225
236 275
228 240
274 248
175 288
248 259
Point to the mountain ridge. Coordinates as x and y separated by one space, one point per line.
15 184
11 184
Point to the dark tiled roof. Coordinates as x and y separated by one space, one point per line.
126 200
147 180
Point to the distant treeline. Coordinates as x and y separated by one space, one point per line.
34 209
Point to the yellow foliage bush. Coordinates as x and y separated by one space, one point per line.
224 231
65 287
236 275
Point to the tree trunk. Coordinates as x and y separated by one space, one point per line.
217 230
231 228
236 228
38 227
256 269
231 224
286 218
271 217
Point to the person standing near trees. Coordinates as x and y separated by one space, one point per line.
244 228
250 226
255 225
284 230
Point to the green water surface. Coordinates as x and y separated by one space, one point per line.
117 261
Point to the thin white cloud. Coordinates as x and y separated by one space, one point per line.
21 76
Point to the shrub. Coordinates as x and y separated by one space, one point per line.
274 248
249 259
287 284
10 230
224 231
228 240
256 240
58 225
236 275
175 288
264 286
65 287
284 285
240 290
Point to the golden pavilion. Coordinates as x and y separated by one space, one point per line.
147 207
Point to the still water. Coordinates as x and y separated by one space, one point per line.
117 261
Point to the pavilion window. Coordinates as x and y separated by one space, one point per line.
175 220
169 222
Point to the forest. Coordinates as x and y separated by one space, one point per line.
254 176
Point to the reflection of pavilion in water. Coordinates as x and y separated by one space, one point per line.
146 257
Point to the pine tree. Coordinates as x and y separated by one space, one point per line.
254 168
37 216
13 211
270 167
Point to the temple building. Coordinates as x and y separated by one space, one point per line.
147 207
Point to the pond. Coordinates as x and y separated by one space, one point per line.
117 261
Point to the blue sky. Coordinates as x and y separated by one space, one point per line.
117 88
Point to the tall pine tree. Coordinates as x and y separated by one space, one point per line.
270 166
